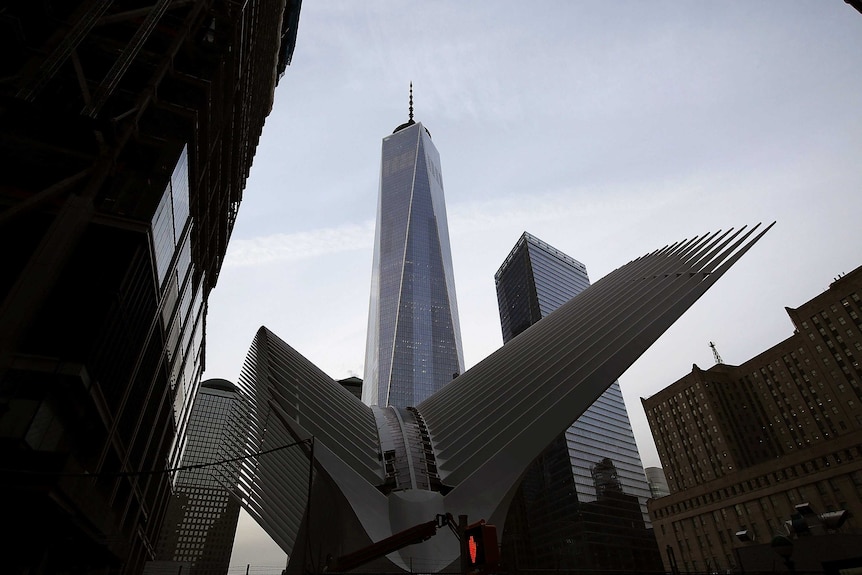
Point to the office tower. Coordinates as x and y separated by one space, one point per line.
201 519
658 486
126 137
743 446
381 470
414 340
353 385
534 280
547 526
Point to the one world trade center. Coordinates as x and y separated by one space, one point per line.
414 339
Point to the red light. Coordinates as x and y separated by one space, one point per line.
474 549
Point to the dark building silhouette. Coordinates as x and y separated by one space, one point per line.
610 533
127 130
352 384
202 516
657 482
744 446
560 516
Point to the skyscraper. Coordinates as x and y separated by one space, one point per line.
202 515
126 136
353 385
414 339
657 482
534 280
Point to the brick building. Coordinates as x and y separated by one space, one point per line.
744 447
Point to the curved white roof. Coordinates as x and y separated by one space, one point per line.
476 435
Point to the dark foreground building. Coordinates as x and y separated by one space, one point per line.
127 130
582 502
769 447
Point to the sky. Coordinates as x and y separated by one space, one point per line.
606 129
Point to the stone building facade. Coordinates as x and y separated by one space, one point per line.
745 447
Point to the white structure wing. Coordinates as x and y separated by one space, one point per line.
293 400
462 450
489 423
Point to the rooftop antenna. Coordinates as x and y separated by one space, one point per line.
410 121
715 353
411 102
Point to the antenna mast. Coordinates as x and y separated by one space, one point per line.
411 101
715 353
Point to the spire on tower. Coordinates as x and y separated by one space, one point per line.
411 102
410 121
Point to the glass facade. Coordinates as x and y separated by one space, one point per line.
535 280
107 281
202 516
182 308
563 509
414 340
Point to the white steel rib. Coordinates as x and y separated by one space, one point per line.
463 449
294 400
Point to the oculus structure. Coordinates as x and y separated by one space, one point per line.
463 450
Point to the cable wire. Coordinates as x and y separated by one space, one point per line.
155 471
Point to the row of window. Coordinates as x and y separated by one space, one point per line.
762 481
769 512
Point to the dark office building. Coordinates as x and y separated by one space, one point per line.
657 482
772 446
534 280
589 482
353 385
127 130
202 516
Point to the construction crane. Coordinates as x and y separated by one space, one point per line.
715 353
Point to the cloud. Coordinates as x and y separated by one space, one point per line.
587 206
506 213
300 245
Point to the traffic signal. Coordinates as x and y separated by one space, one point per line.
483 553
